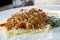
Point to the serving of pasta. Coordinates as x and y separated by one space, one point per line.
29 21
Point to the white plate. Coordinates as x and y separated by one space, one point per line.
54 34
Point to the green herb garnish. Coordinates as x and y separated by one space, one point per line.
54 22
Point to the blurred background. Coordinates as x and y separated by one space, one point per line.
9 4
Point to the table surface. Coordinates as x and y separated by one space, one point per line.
10 6
50 7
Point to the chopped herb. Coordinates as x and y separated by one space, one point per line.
54 22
